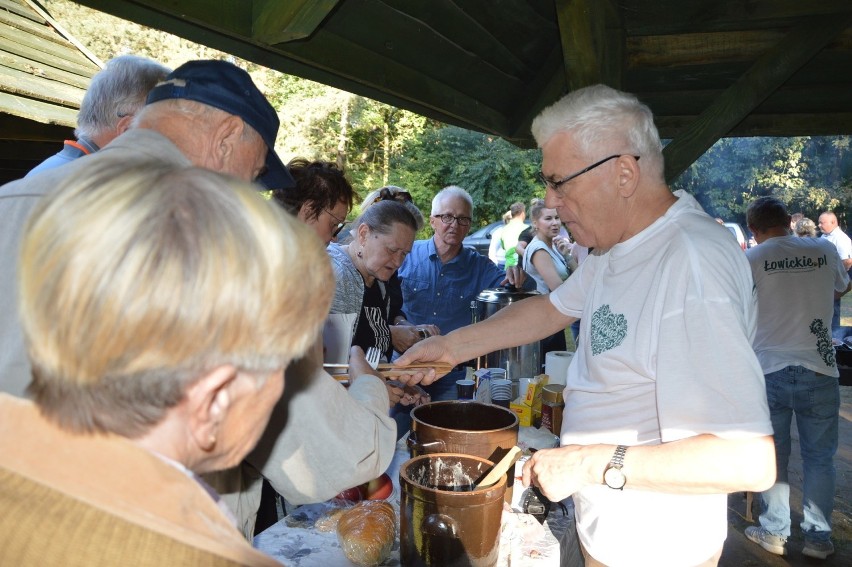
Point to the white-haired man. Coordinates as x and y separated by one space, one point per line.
659 426
115 94
832 232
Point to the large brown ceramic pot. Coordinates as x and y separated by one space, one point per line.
442 521
469 428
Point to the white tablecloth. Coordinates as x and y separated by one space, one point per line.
295 542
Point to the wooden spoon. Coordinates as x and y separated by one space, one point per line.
499 470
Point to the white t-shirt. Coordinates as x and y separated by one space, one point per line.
841 241
665 354
796 279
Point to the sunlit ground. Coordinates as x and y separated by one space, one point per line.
846 310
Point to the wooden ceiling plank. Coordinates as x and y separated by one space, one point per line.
761 125
280 22
16 21
653 17
52 48
458 26
24 84
545 89
806 99
16 129
390 77
402 38
38 69
768 73
17 8
47 52
699 48
37 110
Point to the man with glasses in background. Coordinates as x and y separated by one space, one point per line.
665 402
440 277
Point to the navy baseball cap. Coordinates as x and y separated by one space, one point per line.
225 86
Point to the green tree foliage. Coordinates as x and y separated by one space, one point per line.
378 144
493 171
810 175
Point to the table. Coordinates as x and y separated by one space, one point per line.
295 541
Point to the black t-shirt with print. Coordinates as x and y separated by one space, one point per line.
372 329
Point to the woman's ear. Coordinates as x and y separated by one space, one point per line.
208 403
363 233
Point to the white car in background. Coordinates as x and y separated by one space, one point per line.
739 234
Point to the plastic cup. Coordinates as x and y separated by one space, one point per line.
465 389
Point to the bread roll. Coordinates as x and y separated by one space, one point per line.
366 532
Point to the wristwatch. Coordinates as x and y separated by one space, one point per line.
613 476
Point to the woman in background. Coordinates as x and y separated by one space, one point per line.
548 261
805 227
383 236
403 333
322 197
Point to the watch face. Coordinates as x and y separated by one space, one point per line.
614 478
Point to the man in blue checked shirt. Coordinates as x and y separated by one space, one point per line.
440 277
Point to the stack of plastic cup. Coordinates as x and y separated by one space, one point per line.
501 392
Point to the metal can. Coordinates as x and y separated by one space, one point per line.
552 405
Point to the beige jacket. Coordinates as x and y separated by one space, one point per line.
82 500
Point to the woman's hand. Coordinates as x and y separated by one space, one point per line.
562 245
403 336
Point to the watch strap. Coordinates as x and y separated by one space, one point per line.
618 457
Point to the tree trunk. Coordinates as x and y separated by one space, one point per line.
344 129
387 152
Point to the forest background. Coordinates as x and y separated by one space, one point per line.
377 144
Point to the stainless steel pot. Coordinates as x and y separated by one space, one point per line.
520 361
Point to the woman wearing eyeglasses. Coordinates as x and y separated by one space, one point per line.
548 262
321 199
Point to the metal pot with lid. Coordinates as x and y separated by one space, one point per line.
520 361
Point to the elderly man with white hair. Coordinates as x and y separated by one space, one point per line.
665 405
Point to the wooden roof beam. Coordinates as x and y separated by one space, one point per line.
592 42
280 22
769 72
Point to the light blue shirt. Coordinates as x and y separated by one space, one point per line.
440 294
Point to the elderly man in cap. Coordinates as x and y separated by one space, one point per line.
206 113
210 114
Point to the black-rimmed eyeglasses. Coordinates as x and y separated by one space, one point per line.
554 185
448 219
340 223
